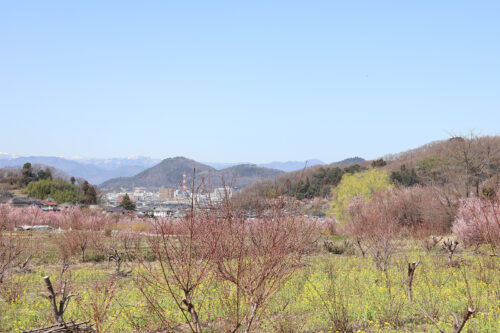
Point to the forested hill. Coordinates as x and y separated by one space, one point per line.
315 181
169 173
460 164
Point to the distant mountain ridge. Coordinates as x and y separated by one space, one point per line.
349 161
94 170
169 173
115 163
292 165
283 166
289 165
99 170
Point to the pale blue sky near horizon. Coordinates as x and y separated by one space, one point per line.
231 81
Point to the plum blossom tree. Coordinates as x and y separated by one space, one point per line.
257 256
11 253
184 257
478 222
82 230
374 224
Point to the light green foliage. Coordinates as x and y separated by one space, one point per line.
58 189
358 184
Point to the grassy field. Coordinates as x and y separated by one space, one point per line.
331 292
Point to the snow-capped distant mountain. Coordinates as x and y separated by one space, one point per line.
114 163
98 170
95 171
6 156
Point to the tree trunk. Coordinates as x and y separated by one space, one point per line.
196 320
363 251
52 296
409 279
459 326
253 312
192 311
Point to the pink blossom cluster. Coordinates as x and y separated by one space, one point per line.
419 210
74 218
11 217
478 221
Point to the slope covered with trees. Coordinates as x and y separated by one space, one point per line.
42 183
316 181
169 173
461 165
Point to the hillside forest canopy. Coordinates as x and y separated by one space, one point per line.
40 183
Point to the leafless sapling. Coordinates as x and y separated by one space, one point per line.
458 324
184 258
450 246
59 307
412 266
257 256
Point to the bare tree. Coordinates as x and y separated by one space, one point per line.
431 243
184 262
362 249
11 253
59 307
117 257
332 297
184 257
458 324
412 266
450 246
257 256
83 231
76 240
97 304
375 223
473 156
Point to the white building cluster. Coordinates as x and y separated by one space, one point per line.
167 201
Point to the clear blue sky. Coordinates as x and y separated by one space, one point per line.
245 81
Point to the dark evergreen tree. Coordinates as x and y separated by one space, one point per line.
27 174
353 168
405 177
127 203
85 187
378 163
91 196
44 174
